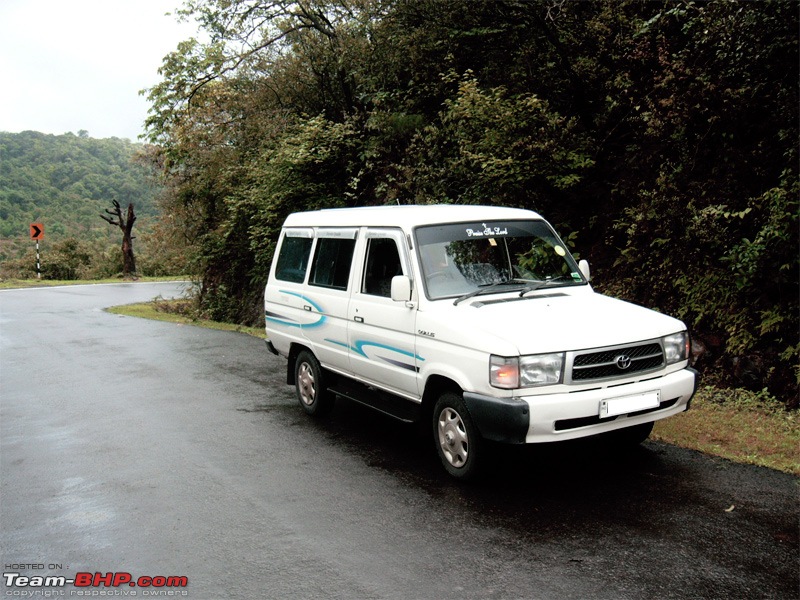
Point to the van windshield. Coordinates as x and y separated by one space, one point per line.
467 259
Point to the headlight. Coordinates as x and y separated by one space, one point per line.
526 371
676 347
541 369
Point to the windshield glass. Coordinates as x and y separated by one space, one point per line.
459 259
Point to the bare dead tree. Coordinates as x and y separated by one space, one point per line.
126 225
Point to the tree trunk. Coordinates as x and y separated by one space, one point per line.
128 259
126 225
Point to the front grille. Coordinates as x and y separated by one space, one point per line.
617 362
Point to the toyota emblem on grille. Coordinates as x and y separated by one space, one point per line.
623 362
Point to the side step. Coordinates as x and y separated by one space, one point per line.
389 404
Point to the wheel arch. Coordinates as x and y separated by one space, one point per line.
294 350
435 386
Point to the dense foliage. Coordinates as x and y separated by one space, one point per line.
662 136
67 182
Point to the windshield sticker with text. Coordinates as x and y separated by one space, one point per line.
486 231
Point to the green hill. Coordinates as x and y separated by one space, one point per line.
66 182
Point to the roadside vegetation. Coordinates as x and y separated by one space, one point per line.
739 425
182 312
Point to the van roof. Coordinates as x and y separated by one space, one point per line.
405 216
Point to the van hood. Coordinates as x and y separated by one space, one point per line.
565 321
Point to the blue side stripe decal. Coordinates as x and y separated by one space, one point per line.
360 344
289 322
357 347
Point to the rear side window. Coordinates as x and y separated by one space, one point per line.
293 259
332 262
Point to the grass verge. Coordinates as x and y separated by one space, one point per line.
738 425
179 311
10 284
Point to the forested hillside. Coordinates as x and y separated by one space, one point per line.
66 181
662 136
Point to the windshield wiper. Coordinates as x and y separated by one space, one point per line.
540 284
484 289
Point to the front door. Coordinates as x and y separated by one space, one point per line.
381 332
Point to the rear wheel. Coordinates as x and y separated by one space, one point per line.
457 440
315 399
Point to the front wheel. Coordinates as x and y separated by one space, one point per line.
457 440
315 399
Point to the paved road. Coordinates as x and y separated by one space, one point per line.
157 449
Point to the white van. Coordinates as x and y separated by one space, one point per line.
476 319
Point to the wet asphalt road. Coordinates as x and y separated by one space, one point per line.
157 449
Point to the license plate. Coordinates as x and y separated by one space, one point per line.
628 404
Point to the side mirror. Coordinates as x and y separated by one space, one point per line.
401 288
585 270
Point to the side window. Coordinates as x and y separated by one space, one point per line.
383 263
332 262
293 259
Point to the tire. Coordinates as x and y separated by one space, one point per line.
458 442
312 394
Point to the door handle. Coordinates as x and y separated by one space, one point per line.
359 319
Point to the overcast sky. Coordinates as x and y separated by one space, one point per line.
67 65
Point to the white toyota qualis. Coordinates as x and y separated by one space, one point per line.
475 319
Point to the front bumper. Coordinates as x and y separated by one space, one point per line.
564 416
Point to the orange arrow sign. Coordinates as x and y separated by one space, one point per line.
37 231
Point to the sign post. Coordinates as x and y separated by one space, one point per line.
37 233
